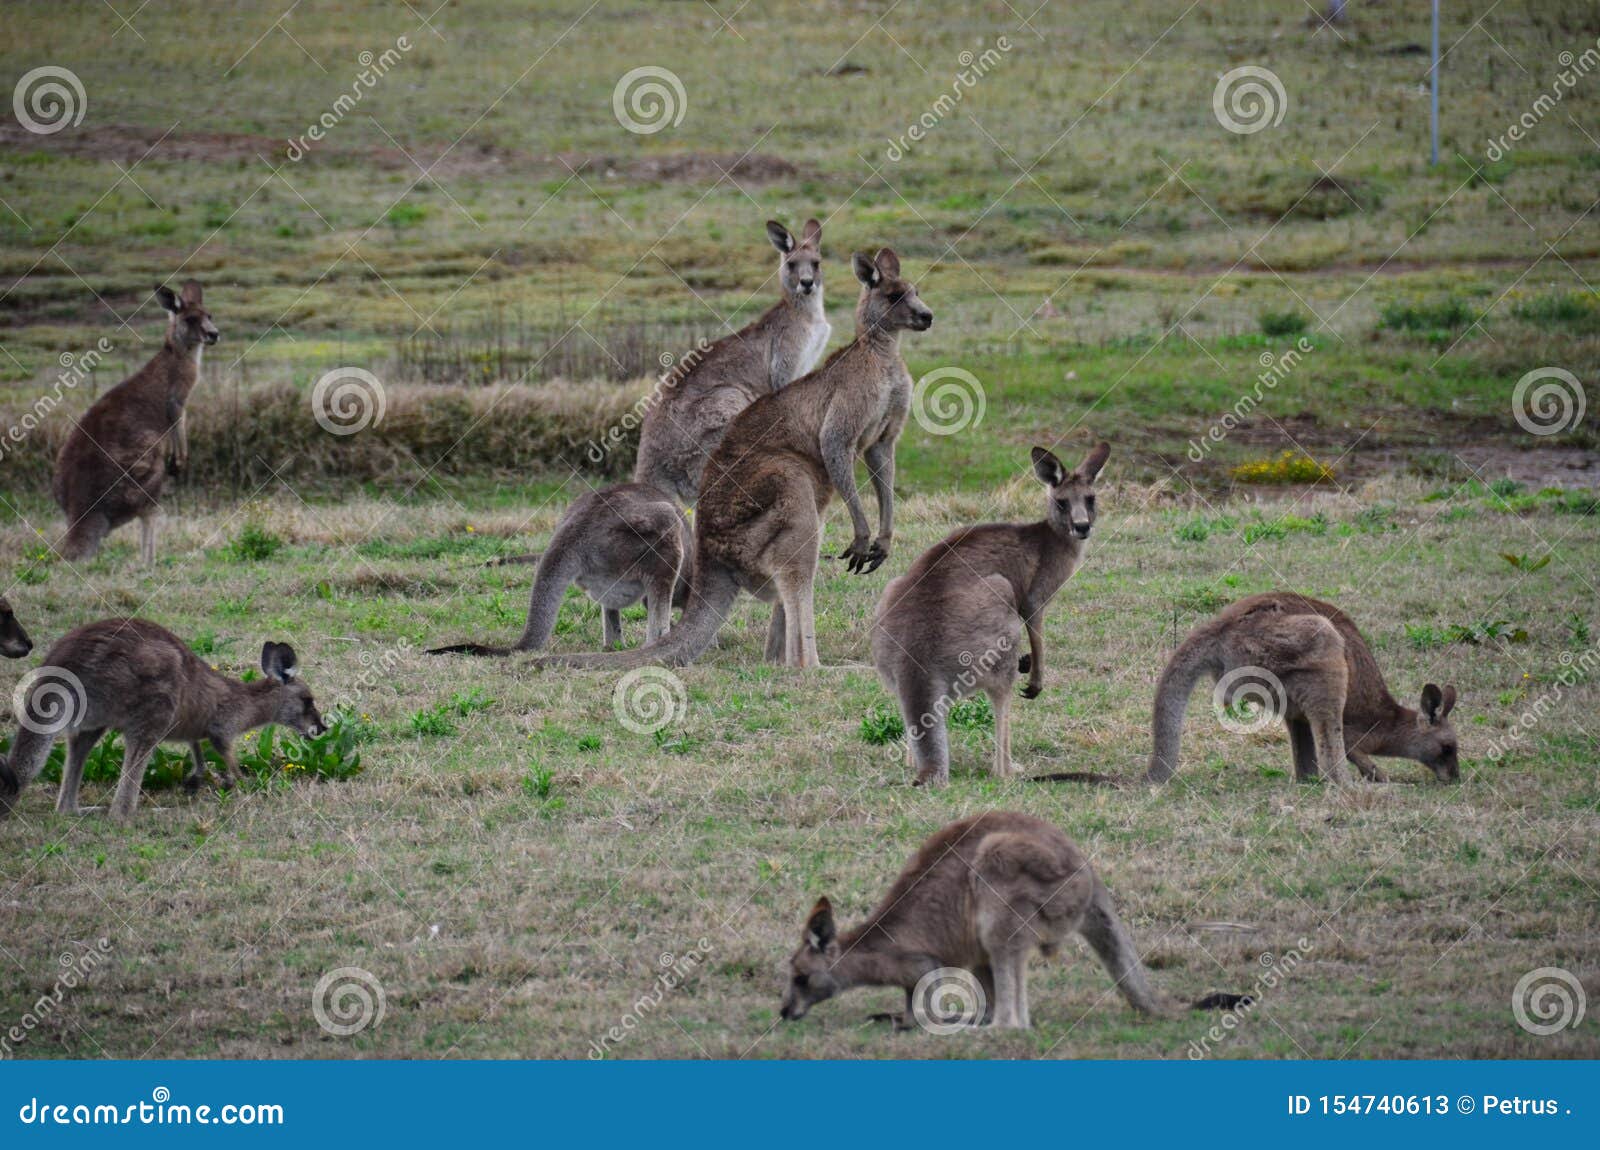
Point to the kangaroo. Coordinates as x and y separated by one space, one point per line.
1311 657
949 625
758 525
14 641
620 544
141 679
694 407
116 460
980 896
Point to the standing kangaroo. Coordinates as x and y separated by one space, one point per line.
693 409
758 525
1312 659
14 641
630 541
949 625
114 464
142 680
980 896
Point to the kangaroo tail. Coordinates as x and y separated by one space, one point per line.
711 598
28 756
515 560
1093 777
1105 934
558 567
1189 662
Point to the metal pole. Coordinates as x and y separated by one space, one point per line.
1434 110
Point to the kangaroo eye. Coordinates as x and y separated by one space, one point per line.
897 297
1088 501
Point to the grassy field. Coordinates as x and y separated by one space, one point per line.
518 869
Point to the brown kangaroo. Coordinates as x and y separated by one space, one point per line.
115 462
758 525
142 680
980 896
1311 657
14 641
948 627
620 544
693 410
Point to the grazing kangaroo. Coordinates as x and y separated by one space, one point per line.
980 896
758 525
142 680
1333 696
694 408
115 462
14 641
620 544
948 627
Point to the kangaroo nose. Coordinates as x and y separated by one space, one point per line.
1082 529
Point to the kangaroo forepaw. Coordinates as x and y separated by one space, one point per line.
1033 690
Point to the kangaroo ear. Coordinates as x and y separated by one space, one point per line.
278 661
812 233
820 929
888 263
191 294
866 271
1048 468
1447 701
169 302
780 237
1432 700
1091 466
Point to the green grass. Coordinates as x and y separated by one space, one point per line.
510 860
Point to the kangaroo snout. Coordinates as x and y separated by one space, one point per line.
1081 530
923 320
212 334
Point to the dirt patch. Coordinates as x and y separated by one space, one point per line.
126 145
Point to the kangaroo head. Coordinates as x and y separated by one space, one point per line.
294 706
888 303
800 263
811 974
188 324
1070 509
1433 741
14 641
